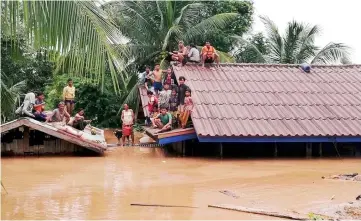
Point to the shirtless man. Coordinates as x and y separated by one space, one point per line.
180 54
158 78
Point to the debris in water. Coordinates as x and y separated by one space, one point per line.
229 193
358 197
347 176
333 197
160 205
261 212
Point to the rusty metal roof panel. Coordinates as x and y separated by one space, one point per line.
261 100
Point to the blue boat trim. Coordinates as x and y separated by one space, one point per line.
175 139
280 139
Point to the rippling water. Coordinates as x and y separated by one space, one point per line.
103 187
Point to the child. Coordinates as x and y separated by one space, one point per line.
163 121
164 96
173 107
188 106
154 114
170 79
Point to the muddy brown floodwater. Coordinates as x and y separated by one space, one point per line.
104 187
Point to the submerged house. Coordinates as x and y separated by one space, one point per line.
248 105
26 136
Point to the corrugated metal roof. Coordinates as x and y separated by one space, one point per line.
275 100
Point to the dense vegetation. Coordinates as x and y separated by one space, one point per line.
103 46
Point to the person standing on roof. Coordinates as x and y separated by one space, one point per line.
164 96
69 96
170 79
209 54
193 55
147 79
188 107
158 74
181 93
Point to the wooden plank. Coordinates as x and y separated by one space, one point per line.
26 139
285 215
11 125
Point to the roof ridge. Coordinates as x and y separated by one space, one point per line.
278 65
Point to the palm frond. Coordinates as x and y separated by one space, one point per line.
260 58
275 40
218 21
332 53
79 30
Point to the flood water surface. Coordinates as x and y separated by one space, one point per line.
104 187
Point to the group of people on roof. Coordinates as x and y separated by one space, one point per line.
33 106
169 100
191 54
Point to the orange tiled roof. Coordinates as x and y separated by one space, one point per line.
275 100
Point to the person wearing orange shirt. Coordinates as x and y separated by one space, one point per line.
209 54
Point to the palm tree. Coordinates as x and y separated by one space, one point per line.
9 97
85 39
297 46
154 27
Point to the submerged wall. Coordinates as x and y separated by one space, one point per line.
32 142
245 150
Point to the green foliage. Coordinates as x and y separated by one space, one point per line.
31 66
249 51
80 31
221 39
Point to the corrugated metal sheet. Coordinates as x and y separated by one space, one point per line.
275 100
144 99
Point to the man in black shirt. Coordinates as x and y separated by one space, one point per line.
181 93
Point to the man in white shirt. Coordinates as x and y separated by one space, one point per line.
193 55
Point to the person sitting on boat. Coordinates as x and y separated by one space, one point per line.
38 107
26 108
79 121
59 114
209 54
127 125
163 121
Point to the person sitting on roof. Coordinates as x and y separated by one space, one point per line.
79 121
170 79
59 114
163 121
38 107
26 108
173 108
209 54
153 115
193 54
181 54
188 107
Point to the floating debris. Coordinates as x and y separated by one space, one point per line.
346 176
229 193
